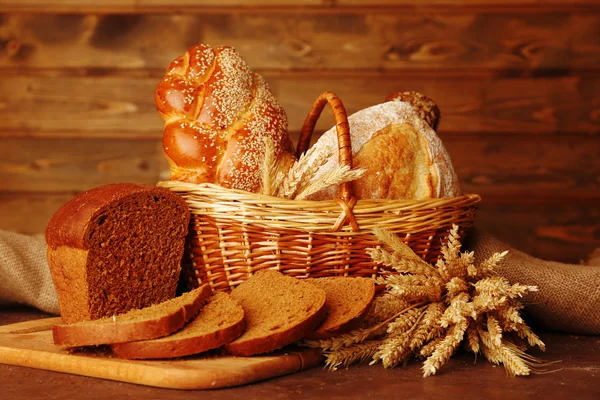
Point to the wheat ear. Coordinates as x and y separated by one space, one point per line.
303 171
339 175
269 168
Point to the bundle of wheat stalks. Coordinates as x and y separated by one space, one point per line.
427 311
300 182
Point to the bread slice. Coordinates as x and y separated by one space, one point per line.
147 323
348 301
116 248
279 310
219 322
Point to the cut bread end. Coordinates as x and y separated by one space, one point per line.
348 302
279 310
219 322
147 323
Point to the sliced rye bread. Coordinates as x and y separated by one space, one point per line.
278 309
219 322
348 302
116 248
147 323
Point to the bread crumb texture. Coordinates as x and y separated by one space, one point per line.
278 309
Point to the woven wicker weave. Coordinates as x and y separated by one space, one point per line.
235 233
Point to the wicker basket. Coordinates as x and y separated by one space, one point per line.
234 233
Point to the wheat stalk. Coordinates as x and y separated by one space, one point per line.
337 176
525 332
356 353
403 322
401 249
473 340
445 349
428 348
399 282
488 265
269 168
303 171
385 307
348 339
494 330
403 265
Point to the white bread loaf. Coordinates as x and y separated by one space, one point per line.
404 157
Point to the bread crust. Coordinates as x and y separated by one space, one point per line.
70 225
179 346
218 114
114 330
426 165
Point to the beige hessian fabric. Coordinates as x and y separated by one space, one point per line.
24 274
569 294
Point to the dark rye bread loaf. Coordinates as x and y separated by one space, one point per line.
148 323
219 322
115 248
278 309
348 301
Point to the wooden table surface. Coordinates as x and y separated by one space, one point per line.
578 377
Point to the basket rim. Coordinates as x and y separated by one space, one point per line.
322 216
267 200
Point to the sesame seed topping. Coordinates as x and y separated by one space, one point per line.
231 110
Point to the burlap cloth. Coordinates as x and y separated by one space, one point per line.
569 294
24 274
567 300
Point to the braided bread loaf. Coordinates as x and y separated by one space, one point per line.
217 115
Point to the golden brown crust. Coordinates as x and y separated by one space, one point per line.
397 166
68 226
149 323
220 322
217 114
404 157
67 265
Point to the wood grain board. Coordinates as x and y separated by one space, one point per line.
292 40
542 162
328 6
121 107
29 344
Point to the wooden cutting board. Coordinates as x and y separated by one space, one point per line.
29 344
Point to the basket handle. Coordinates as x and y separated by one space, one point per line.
346 195
343 134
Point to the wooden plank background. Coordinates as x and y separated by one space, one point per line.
517 81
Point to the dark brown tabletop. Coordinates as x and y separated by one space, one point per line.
577 377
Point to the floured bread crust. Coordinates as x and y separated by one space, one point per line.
404 157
